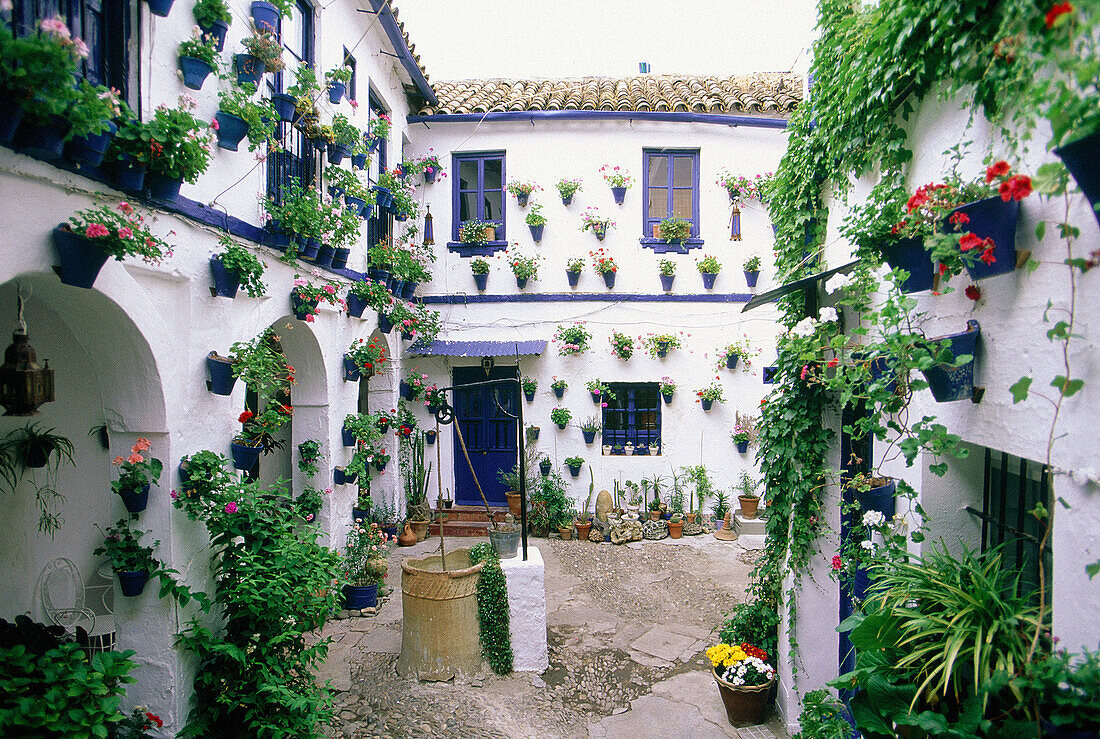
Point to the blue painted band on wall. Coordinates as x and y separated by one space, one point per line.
660 246
487 249
608 297
595 115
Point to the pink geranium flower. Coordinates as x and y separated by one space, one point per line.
230 507
95 230
125 233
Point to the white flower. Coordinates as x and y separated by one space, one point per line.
827 315
804 328
837 282
873 518
866 544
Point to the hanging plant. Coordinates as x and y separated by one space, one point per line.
622 346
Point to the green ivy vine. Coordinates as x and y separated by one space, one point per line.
492 610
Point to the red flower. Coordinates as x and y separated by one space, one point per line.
998 169
943 268
969 241
987 256
973 292
1017 188
838 563
1057 11
959 218
154 719
246 417
834 362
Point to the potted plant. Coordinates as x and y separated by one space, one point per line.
741 188
309 454
131 560
744 680
951 375
709 267
667 388
480 269
591 221
628 449
619 180
744 430
559 387
667 271
236 267
709 395
337 80
213 17
378 129
476 233
563 522
751 267
676 526
746 495
544 466
574 464
92 117
523 267
522 191
94 234
177 145
530 385
672 230
430 167
601 392
344 138
731 353
239 116
605 267
306 298
567 189
264 54
197 58
655 507
720 508
367 357
659 345
536 222
572 340
622 346
589 429
256 433
363 566
367 293
561 417
265 15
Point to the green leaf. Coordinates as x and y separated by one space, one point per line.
1020 389
1092 570
1066 386
1040 230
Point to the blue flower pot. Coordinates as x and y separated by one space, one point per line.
567 200
481 281
536 232
1081 158
216 31
323 257
619 193
308 248
354 204
359 161
284 106
221 374
385 325
360 514
244 457
529 395
340 257
666 282
667 397
521 282
949 383
80 259
277 238
397 288
429 175
301 306
358 597
742 447
589 436
993 218
160 7
131 583
136 501
337 153
575 471
90 150
164 189
380 466
707 404
265 16
879 499
544 467
609 279
559 392
383 198
249 68
429 437
356 305
43 140
751 276
338 476
600 232
731 361
351 369
128 176
910 255
195 71
336 92
708 279
521 199
408 290
231 130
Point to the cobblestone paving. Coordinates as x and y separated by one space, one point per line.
627 626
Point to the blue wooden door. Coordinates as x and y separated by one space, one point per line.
483 414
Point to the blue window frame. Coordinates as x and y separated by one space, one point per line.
349 61
670 181
634 415
380 224
478 194
297 162
104 25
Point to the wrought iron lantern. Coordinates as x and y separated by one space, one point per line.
24 383
735 223
429 236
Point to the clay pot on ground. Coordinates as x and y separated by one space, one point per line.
406 538
513 503
654 515
749 505
566 532
420 529
583 530
675 529
690 517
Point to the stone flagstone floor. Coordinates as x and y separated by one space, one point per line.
627 626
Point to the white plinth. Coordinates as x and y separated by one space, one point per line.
527 606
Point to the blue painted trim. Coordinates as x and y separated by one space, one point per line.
670 155
480 157
404 53
193 210
485 250
722 119
660 246
607 297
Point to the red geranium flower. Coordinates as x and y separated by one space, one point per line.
959 218
973 292
969 241
246 417
998 169
1055 12
987 256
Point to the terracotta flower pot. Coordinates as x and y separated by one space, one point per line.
690 517
654 515
419 529
675 529
513 503
583 530
749 505
566 532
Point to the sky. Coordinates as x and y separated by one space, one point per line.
458 39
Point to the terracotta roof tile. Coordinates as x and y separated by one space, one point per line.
767 94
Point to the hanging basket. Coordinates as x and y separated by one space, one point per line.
949 383
910 255
1082 159
993 218
80 259
221 374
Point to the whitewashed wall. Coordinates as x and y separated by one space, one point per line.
130 353
1013 344
546 152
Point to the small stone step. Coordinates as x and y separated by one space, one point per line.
461 528
748 526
